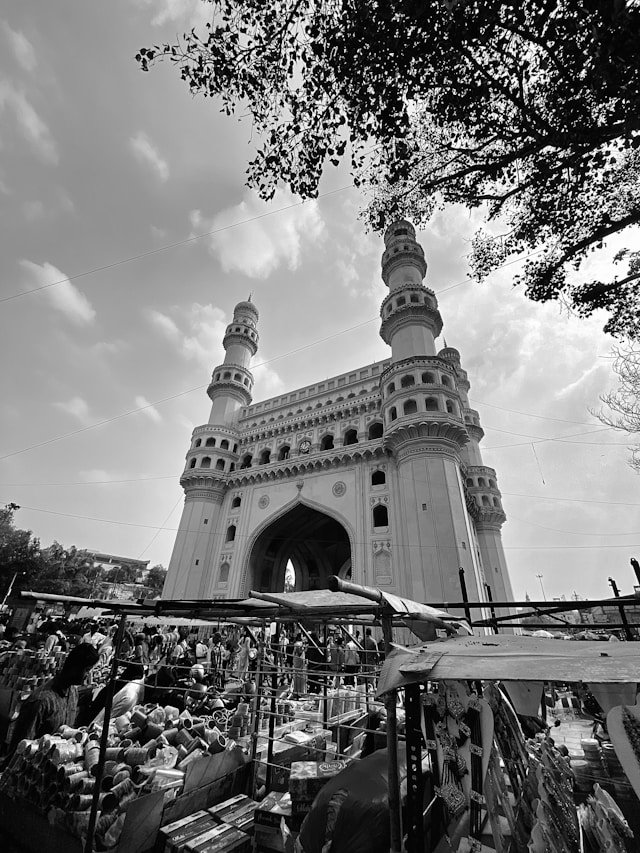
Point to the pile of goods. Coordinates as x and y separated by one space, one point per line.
269 817
306 780
221 829
148 749
25 670
603 824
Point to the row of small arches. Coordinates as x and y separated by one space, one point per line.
487 501
431 404
235 376
319 405
206 462
426 378
249 334
211 442
482 483
327 442
414 298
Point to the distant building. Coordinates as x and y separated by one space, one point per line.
109 562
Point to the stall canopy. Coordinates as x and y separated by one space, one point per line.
511 658
319 604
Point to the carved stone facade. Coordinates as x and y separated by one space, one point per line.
375 474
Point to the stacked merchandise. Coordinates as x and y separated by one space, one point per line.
307 779
269 816
239 722
603 825
221 829
25 670
149 749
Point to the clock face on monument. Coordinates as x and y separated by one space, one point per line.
305 446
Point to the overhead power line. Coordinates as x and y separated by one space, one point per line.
221 534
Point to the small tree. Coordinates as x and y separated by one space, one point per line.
625 402
19 551
156 578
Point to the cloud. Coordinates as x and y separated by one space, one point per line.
147 153
168 11
33 210
78 408
63 297
30 125
148 409
165 324
264 244
267 383
23 49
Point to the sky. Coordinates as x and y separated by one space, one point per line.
126 184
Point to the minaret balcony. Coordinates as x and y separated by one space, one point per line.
472 421
412 305
417 371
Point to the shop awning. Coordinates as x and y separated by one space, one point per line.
511 658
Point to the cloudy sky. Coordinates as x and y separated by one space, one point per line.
125 184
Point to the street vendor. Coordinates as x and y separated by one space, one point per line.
56 703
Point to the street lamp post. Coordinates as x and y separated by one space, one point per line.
541 587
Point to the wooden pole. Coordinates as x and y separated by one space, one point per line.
395 827
465 596
104 736
256 715
623 616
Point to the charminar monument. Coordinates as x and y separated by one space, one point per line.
374 475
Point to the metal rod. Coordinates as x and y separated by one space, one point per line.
104 735
272 722
465 597
547 627
395 828
623 616
492 608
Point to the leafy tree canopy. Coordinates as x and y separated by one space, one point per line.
623 405
156 578
529 109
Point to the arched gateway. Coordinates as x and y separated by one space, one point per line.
375 472
317 545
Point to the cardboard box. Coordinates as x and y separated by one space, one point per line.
174 835
272 809
307 778
238 812
221 839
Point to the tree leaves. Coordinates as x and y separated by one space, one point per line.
529 110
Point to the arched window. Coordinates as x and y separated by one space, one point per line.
431 404
246 461
469 482
407 381
231 533
414 297
232 466
235 448
410 407
350 437
198 442
326 443
378 478
492 483
485 501
427 378
393 414
446 381
350 396
391 388
450 408
192 464
206 462
210 442
217 376
285 450
227 375
265 457
220 465
380 516
375 431
482 482
224 573
235 503
224 444
401 301
496 502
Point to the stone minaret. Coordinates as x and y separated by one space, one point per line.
213 454
433 436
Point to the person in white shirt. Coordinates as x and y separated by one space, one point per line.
93 636
128 696
202 654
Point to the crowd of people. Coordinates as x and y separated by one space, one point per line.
170 665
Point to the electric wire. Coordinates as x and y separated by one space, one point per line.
221 534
